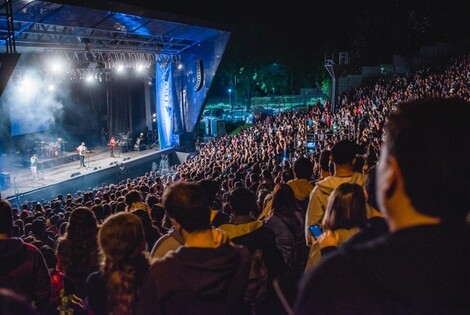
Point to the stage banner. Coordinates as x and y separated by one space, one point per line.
164 102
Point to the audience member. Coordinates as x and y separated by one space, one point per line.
77 254
345 215
244 229
22 266
343 155
201 277
114 289
287 221
421 267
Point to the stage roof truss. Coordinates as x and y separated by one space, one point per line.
49 25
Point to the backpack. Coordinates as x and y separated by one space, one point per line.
257 287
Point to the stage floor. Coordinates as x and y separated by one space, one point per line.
22 181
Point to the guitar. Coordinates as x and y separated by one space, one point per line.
83 151
112 144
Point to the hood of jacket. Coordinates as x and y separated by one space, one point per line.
12 253
328 184
301 188
237 230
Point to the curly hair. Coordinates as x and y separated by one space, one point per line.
122 243
77 251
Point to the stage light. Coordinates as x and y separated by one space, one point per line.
51 87
57 67
120 68
89 78
139 67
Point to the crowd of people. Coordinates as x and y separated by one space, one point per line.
185 242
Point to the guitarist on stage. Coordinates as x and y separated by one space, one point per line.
112 144
82 150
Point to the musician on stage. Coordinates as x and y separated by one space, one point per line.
34 165
112 145
140 143
82 152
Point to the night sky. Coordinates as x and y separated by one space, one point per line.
300 33
375 26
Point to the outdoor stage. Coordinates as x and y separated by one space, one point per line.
64 175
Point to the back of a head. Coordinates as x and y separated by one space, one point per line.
133 196
346 207
144 217
6 218
38 227
344 152
151 199
284 203
303 168
82 221
121 237
430 139
266 174
187 204
210 188
157 213
242 201
325 160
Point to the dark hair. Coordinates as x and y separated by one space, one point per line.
303 168
210 188
370 188
287 175
430 139
133 196
6 217
344 152
283 203
187 204
325 160
242 201
78 248
151 200
346 208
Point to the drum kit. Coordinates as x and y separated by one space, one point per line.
50 149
